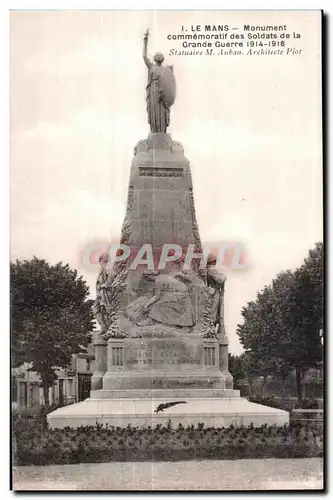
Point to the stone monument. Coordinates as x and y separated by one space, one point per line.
162 351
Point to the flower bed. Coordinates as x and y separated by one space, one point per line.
103 444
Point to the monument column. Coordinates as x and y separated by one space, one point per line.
224 368
115 361
100 364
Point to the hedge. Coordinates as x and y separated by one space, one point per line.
43 446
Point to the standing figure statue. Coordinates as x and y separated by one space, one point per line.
213 314
216 283
161 90
110 286
101 307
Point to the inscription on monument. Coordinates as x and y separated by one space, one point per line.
160 183
160 172
161 353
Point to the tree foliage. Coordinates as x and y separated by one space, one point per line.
281 328
51 317
237 367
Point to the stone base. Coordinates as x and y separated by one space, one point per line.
213 412
170 394
169 363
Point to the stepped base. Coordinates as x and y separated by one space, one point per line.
159 380
213 412
170 394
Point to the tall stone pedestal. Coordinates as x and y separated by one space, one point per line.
164 355
160 207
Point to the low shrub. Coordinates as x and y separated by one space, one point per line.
104 444
31 418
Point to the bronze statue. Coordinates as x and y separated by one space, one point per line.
161 90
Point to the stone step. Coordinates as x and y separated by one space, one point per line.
125 380
216 412
171 394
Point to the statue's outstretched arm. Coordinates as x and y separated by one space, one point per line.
147 61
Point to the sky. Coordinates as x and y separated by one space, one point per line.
250 127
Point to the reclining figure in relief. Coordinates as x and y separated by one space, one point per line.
168 302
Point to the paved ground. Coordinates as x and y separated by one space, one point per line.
284 474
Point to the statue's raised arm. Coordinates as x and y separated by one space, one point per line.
144 53
160 90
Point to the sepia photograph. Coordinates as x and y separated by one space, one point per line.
166 250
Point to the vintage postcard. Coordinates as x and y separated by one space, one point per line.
166 250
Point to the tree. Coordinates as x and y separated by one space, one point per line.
249 366
237 367
51 318
306 315
282 326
